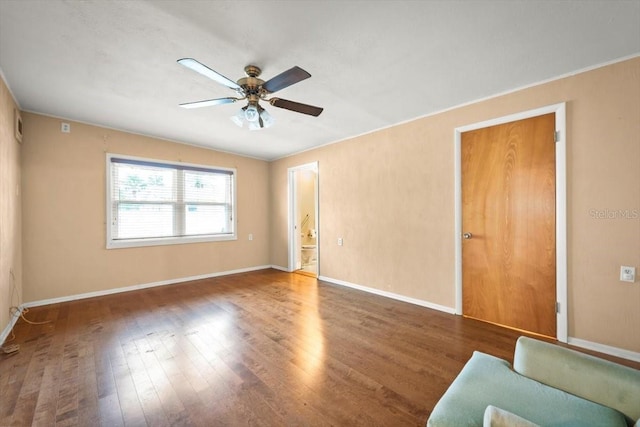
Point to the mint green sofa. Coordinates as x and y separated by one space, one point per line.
549 385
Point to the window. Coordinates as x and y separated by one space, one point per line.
152 202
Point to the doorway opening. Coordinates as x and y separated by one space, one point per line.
559 111
303 219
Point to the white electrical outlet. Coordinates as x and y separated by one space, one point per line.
627 274
250 236
340 241
65 127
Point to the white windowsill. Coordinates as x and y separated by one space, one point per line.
134 243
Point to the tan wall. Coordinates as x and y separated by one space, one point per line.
10 209
390 195
64 213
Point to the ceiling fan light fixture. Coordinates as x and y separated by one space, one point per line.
267 119
262 119
251 113
238 118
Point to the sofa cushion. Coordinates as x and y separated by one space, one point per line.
590 377
487 380
496 417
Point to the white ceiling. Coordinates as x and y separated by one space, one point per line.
374 64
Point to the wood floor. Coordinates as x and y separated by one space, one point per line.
263 348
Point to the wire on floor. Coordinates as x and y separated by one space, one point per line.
16 311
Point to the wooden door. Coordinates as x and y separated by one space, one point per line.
508 207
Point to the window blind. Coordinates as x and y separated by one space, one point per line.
156 200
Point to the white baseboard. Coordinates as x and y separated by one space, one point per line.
277 267
606 349
141 286
12 321
391 295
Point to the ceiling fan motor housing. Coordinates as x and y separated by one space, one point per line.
252 70
252 85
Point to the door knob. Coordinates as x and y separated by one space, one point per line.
467 236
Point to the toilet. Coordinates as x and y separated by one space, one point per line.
308 254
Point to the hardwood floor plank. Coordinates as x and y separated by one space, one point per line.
24 410
263 348
46 406
132 413
109 411
88 388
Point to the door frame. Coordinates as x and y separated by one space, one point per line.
291 209
561 206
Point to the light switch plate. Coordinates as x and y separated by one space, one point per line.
627 274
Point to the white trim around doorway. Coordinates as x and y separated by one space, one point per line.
561 206
313 166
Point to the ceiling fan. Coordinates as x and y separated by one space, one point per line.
253 89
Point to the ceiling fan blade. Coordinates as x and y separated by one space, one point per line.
285 79
208 102
296 106
208 72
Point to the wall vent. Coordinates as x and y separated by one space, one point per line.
18 125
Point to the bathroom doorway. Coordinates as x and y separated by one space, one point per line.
303 219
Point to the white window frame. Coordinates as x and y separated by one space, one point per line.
157 241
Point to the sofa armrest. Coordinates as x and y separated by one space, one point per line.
598 380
